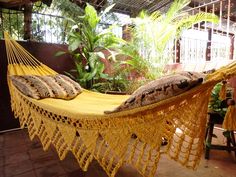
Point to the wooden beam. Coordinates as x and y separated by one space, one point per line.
177 51
28 21
208 47
16 4
231 50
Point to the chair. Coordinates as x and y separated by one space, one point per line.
216 118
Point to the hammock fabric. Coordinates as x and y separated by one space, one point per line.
131 137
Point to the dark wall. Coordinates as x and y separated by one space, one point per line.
43 52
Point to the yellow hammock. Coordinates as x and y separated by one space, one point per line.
128 137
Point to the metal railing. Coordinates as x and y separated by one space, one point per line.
44 27
195 50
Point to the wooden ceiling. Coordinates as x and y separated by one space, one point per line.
133 7
17 4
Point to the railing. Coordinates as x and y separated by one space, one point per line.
45 27
219 42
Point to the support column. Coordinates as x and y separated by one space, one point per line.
28 21
231 50
177 53
208 48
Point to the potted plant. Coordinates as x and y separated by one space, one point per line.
87 46
154 32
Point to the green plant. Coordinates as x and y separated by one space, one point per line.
136 63
87 45
117 80
215 103
154 32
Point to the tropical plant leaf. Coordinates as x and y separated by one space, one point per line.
93 59
74 44
100 68
188 21
60 53
100 55
91 16
107 10
70 75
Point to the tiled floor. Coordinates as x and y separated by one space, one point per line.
20 157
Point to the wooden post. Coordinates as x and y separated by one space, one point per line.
177 53
208 47
28 21
231 50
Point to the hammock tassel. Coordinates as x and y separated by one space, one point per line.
230 117
222 94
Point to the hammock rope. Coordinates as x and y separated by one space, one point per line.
129 137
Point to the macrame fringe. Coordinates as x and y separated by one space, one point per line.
222 93
127 145
230 118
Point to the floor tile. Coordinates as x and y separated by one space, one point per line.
1 140
27 174
39 153
16 158
29 160
2 172
14 135
1 161
35 143
18 168
43 161
21 148
70 163
50 171
76 173
127 170
13 142
2 152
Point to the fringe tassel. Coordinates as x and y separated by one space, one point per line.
230 118
222 94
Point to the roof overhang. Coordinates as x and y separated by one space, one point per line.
16 4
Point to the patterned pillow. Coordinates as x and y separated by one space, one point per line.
161 89
51 86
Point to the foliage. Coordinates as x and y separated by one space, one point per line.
136 63
12 21
155 31
215 103
117 80
86 45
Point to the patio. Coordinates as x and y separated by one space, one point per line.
204 46
21 157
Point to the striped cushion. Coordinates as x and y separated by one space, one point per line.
161 89
52 86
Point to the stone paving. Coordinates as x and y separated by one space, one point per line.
20 157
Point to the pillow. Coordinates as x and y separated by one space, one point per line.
161 89
51 86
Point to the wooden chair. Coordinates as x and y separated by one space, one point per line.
216 118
